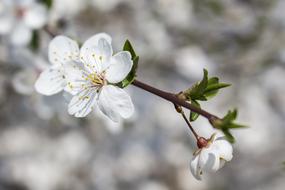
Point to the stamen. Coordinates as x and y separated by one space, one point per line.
95 79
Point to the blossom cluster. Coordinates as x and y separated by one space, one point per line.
93 75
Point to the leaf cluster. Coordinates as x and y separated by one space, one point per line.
203 90
227 123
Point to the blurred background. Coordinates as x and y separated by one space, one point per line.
241 41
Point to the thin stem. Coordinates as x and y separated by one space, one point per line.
180 110
173 98
189 125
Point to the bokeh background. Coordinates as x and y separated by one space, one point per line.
241 41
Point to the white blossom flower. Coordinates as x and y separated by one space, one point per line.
18 18
62 51
211 157
92 80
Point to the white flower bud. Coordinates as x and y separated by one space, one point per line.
212 157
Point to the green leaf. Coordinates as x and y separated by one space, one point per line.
236 126
34 44
128 47
216 86
213 80
194 115
213 87
227 123
197 91
48 3
228 136
203 84
231 115
205 89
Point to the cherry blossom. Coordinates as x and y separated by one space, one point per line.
211 157
93 80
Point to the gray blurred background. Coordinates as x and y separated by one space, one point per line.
241 41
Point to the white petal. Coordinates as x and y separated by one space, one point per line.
51 81
63 50
76 78
209 160
83 103
35 16
224 148
114 102
121 65
96 57
195 168
21 35
93 41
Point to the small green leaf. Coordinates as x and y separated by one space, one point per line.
213 80
231 115
194 115
203 84
236 126
205 89
128 47
227 123
213 87
34 44
229 136
197 91
216 86
48 3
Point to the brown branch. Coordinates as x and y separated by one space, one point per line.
174 99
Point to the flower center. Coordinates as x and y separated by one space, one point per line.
97 80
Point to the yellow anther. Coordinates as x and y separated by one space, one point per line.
95 79
86 98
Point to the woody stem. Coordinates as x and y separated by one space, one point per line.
174 99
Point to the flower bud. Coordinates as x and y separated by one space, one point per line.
211 155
